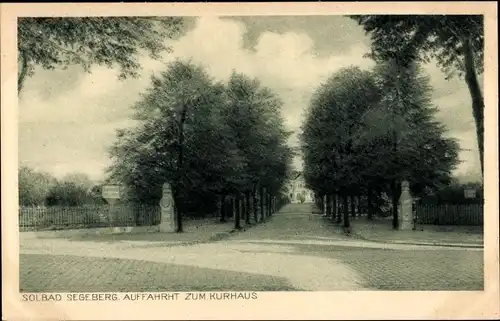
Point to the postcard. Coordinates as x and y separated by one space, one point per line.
250 161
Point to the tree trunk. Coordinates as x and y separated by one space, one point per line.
353 206
230 208
243 207
180 170
334 206
247 207
223 208
395 198
328 205
237 223
477 97
254 205
177 210
369 205
346 213
23 72
262 213
268 203
339 209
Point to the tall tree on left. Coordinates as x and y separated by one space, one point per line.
51 42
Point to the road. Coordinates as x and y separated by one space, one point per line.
294 251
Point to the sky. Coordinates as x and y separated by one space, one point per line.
68 118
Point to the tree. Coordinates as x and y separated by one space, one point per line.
72 190
401 139
34 186
331 165
181 139
79 179
258 131
456 41
50 42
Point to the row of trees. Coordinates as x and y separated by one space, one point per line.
214 143
366 131
42 189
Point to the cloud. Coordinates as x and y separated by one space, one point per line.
98 103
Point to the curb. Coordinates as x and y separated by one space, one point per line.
470 246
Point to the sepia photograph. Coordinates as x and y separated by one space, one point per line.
219 157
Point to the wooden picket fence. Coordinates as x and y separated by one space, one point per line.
449 214
59 217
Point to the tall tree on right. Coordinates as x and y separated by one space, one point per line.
401 139
455 41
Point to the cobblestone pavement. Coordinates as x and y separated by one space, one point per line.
295 250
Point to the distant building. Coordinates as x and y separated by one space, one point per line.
298 190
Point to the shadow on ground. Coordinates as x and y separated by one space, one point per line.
67 273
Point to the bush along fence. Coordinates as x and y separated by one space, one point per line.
449 214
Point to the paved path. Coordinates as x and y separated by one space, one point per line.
295 250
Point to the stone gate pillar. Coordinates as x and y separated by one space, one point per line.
167 223
405 207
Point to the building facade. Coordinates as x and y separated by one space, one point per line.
299 193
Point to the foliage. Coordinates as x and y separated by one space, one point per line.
50 42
